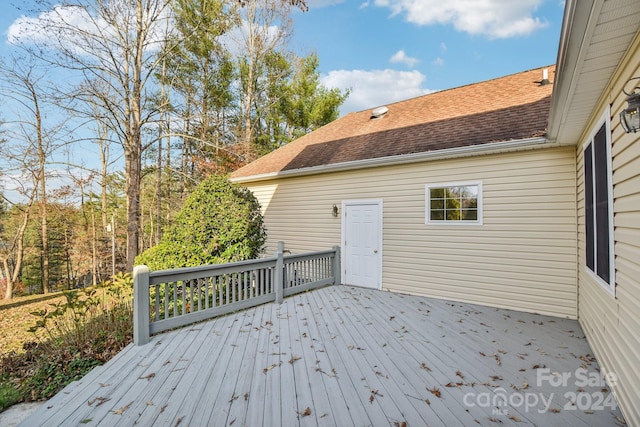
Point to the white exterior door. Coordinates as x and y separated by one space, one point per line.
362 243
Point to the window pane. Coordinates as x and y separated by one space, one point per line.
470 214
588 207
437 204
437 215
469 203
437 193
471 191
454 192
453 215
601 203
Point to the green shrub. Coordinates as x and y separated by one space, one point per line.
219 222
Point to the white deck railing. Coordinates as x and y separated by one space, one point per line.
169 299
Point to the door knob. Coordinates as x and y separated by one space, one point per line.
375 251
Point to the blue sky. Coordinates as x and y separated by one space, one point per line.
389 50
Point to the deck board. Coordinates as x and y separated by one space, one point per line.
352 356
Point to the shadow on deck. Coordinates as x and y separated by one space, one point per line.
340 356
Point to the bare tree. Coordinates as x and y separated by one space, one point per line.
112 45
12 248
266 29
33 140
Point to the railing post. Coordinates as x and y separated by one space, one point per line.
278 274
337 276
140 304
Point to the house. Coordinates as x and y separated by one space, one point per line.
521 192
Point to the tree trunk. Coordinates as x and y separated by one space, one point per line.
8 293
133 149
18 248
42 159
133 171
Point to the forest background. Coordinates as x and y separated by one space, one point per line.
113 111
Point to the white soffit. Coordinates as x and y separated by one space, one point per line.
595 36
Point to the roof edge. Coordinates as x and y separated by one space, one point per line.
488 148
571 51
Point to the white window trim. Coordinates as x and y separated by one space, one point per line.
610 288
427 216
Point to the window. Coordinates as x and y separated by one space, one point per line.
455 203
598 207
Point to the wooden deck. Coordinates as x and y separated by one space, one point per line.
342 356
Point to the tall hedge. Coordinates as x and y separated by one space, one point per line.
219 222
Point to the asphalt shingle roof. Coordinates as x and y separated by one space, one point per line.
503 109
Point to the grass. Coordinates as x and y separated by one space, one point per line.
49 343
16 319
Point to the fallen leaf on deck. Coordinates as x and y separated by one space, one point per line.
150 403
270 367
306 412
381 374
104 385
495 420
86 421
620 420
164 407
425 367
123 409
458 373
246 396
400 424
514 418
435 391
427 401
148 377
100 401
555 410
294 358
178 421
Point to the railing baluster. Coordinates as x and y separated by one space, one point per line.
157 305
165 301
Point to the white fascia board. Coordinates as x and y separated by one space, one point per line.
472 150
578 24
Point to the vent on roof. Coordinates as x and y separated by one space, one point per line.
545 77
376 113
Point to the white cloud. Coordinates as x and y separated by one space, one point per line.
79 30
491 18
364 5
46 26
438 61
401 57
443 47
376 87
316 4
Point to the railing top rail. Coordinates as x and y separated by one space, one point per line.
308 255
186 273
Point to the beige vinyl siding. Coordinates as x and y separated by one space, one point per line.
610 323
522 257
